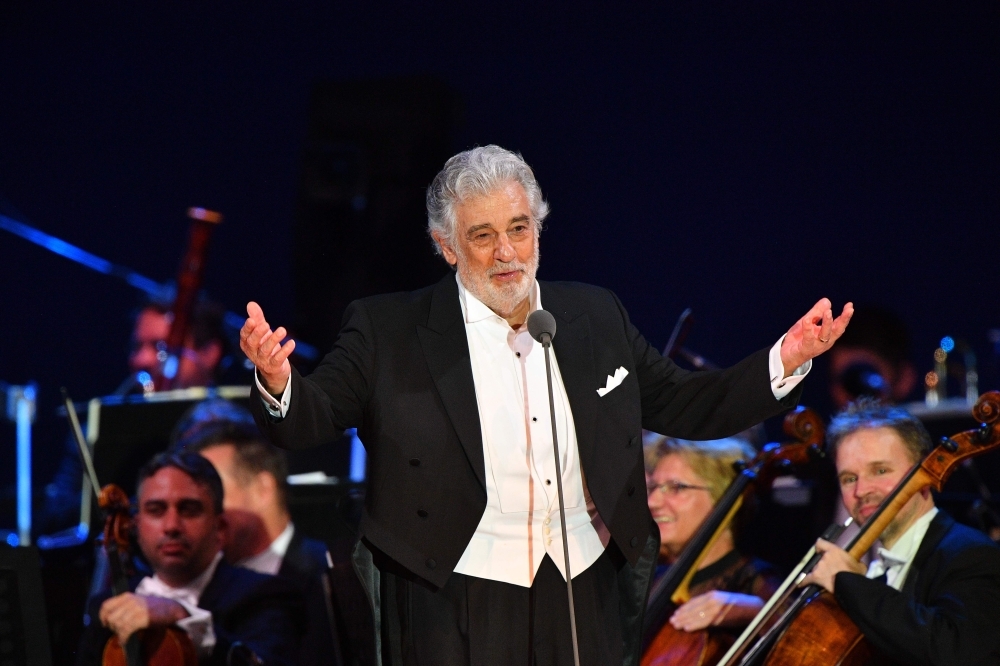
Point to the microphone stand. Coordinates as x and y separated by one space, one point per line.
546 339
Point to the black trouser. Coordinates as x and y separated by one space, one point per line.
477 622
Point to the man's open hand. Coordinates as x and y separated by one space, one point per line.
127 613
264 349
813 334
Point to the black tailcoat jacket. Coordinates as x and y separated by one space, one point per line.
948 612
400 372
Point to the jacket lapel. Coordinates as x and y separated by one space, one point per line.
936 531
573 345
446 350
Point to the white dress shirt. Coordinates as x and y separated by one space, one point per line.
198 624
521 521
895 562
269 560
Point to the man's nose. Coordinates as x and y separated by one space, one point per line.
863 488
504 250
171 522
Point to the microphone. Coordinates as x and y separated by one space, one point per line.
542 327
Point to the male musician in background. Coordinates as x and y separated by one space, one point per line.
931 595
203 354
260 534
180 529
204 350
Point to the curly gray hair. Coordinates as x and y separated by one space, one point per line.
478 172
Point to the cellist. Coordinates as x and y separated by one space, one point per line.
180 529
932 593
684 481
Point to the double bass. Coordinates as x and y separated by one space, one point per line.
813 630
154 646
662 643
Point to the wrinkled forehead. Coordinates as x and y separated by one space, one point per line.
152 325
867 445
172 485
500 206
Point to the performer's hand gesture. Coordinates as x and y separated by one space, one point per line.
813 334
264 349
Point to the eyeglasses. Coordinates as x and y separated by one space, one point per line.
673 488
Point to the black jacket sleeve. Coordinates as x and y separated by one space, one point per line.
333 398
957 623
702 405
264 613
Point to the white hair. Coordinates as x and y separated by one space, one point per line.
478 172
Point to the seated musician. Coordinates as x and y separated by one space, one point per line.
684 481
201 362
260 534
932 593
180 530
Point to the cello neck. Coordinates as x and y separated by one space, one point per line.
914 481
673 584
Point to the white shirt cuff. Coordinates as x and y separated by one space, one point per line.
198 626
277 409
781 385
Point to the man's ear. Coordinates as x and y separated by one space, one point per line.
267 488
446 249
222 528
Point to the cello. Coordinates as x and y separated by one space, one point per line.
662 643
154 646
814 630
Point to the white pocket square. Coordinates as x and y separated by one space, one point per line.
613 382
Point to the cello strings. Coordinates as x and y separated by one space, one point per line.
780 596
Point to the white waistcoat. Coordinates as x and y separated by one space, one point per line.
521 521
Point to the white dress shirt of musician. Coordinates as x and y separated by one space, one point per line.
494 249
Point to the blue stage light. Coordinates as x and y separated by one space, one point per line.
947 343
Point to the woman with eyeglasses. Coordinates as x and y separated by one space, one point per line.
684 480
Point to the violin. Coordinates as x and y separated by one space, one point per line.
154 646
662 643
814 630
189 279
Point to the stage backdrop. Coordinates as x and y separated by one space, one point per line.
742 159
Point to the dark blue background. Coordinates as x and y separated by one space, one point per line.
743 158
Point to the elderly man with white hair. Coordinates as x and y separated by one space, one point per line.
461 547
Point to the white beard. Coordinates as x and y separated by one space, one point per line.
502 299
